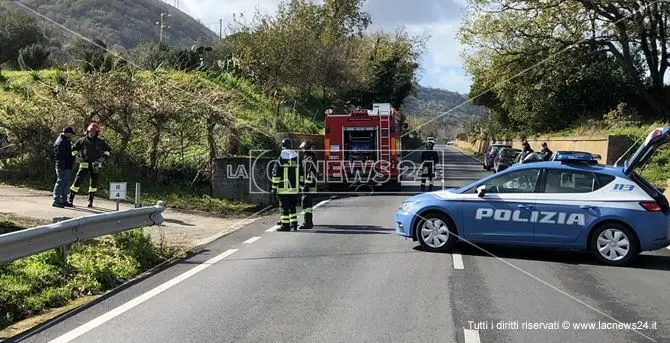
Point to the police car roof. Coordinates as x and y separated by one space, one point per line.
610 170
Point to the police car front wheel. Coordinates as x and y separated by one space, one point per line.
614 244
436 232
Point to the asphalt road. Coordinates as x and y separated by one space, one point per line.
351 280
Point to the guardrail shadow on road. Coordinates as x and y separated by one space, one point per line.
570 257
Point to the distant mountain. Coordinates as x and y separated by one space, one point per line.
118 23
429 103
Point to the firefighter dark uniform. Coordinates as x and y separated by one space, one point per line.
309 189
91 151
429 159
287 180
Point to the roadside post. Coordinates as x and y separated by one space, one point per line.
138 204
117 191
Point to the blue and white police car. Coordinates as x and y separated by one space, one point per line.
570 203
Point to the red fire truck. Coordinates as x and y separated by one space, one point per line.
361 147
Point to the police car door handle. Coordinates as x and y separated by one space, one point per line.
525 207
586 207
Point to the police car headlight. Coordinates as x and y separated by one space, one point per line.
406 206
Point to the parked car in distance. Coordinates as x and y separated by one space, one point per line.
491 153
505 158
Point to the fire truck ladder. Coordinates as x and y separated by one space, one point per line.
385 135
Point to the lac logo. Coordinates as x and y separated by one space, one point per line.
620 187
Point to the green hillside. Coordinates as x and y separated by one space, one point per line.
118 23
429 103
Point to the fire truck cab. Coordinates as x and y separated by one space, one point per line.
361 147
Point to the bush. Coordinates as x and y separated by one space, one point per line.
33 284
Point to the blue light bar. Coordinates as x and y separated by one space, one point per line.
575 157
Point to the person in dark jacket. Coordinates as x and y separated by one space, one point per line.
91 151
429 158
546 152
525 150
62 150
309 189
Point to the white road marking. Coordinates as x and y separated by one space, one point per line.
251 240
471 336
273 229
94 323
458 261
321 203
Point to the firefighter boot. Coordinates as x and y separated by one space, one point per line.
70 200
90 199
308 224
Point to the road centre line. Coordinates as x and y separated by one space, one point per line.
94 323
471 336
458 261
251 240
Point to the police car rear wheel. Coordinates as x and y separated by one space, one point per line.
436 232
614 244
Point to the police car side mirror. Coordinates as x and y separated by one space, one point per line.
481 190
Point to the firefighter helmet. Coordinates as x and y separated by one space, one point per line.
93 127
307 145
286 143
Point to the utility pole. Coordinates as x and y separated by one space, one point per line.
220 29
162 24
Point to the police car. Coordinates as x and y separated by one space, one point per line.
570 203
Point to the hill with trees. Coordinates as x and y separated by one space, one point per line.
452 109
120 24
169 111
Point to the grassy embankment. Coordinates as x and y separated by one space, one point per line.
36 284
182 184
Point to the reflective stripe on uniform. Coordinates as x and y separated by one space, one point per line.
293 217
106 153
75 153
285 219
285 183
83 165
92 189
74 189
308 210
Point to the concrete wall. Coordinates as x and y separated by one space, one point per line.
242 178
610 147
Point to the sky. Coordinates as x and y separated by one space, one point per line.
441 64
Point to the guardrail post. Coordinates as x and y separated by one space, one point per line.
62 250
137 195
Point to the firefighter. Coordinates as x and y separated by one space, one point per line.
90 151
286 185
309 171
429 159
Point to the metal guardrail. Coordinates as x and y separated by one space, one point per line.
19 244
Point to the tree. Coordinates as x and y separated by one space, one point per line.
16 32
93 56
34 57
635 33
